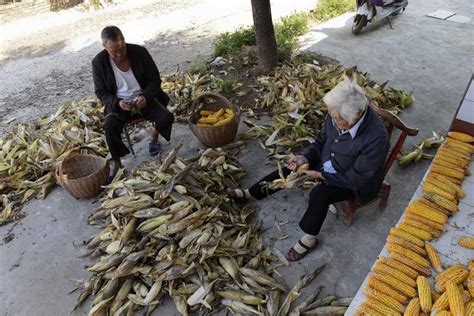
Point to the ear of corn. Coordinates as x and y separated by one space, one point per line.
440 304
450 172
466 138
420 209
442 185
380 307
413 308
456 304
383 269
443 313
441 201
434 258
457 143
457 163
406 236
458 148
470 308
404 243
434 206
413 264
424 220
385 299
422 227
424 293
387 290
448 182
455 151
448 194
445 153
396 284
408 254
399 266
447 164
466 241
470 283
434 295
456 273
365 310
423 235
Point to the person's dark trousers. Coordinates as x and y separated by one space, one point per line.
320 197
114 123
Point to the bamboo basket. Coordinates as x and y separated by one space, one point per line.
83 175
213 136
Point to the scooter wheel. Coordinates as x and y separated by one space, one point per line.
360 21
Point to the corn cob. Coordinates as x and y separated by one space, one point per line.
434 258
456 273
441 201
440 184
443 313
380 307
430 187
424 293
457 163
413 308
442 177
420 209
470 265
409 254
386 270
423 235
402 242
456 304
447 164
463 137
434 206
466 297
385 299
449 183
458 147
396 284
412 273
466 241
424 220
434 295
413 264
440 304
407 236
446 152
387 290
470 308
455 151
450 172
422 227
460 144
470 282
365 310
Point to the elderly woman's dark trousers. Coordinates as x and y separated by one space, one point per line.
320 197
114 123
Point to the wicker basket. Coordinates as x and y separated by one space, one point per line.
83 175
213 136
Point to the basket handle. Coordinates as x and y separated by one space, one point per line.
195 107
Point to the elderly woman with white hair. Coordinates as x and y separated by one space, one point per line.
347 158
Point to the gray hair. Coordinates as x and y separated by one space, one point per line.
111 33
348 99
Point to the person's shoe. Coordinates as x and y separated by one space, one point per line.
294 255
153 148
238 195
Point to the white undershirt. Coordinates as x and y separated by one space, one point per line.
127 84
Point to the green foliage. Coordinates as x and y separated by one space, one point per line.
328 9
225 85
289 28
199 66
229 44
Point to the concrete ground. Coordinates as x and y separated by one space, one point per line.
431 57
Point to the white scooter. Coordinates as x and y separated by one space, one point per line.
370 10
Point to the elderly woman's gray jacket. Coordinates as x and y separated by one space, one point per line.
359 162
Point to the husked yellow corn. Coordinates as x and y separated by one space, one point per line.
440 304
466 241
460 144
383 269
434 206
424 293
456 305
387 290
413 308
466 297
365 310
459 148
444 313
422 227
404 243
447 164
424 220
457 163
412 273
407 236
470 265
456 273
470 282
450 205
446 153
442 185
423 235
434 295
463 137
421 209
470 308
413 264
455 151
430 187
434 258
448 182
380 307
385 299
409 254
396 284
450 172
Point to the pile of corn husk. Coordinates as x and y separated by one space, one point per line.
170 230
31 152
294 92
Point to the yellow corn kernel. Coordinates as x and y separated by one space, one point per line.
218 114
455 151
450 172
448 182
365 310
434 206
466 241
434 225
207 120
407 236
456 273
440 304
385 299
421 209
456 305
206 113
457 147
422 227
434 295
450 205
383 269
412 273
413 308
463 137
460 144
442 185
470 283
434 258
457 163
402 242
409 254
447 164
444 313
423 235
387 290
424 293
224 121
413 264
470 308
380 307
430 187
396 284
446 153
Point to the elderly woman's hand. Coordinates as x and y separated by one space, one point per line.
314 174
296 161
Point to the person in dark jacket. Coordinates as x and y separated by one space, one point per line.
128 84
347 157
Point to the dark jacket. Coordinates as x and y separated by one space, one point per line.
144 69
359 162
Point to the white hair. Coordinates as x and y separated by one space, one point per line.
348 99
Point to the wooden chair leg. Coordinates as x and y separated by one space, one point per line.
384 194
127 136
348 217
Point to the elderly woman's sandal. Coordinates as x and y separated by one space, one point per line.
238 195
294 255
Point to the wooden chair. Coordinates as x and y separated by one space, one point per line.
346 209
132 123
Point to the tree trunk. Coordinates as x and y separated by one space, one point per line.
265 35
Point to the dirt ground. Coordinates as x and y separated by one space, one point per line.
45 59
